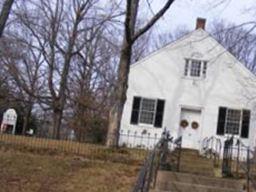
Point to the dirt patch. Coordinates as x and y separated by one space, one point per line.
102 177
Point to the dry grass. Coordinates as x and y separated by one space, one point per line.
30 172
31 164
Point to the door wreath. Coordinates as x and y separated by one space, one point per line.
184 123
194 125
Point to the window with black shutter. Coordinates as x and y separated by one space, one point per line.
233 121
159 113
147 111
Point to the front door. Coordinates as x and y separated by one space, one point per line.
190 124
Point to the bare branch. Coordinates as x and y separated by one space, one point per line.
153 20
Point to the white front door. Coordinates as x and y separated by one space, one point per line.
190 125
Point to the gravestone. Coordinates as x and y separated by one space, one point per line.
9 121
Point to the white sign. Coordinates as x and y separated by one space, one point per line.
9 118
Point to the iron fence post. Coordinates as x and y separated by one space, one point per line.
227 157
237 158
179 156
248 170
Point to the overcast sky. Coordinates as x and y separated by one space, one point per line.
185 12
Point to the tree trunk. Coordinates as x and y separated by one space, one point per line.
26 120
114 124
130 36
120 96
57 117
116 111
5 14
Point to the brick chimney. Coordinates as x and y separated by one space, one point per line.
200 23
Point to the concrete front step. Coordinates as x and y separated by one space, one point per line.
198 161
194 163
190 151
189 156
185 187
204 171
196 175
192 157
164 178
191 162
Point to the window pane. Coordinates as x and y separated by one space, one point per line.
195 68
148 105
146 117
147 111
233 121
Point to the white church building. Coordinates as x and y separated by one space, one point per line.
193 88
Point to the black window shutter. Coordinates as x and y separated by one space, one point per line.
135 110
245 123
159 113
221 120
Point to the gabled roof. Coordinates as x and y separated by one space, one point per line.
204 36
163 48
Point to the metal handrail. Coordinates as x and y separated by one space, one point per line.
145 174
212 145
155 159
178 143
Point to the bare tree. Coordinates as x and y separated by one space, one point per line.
238 41
130 36
56 28
92 79
5 14
22 64
162 39
60 31
5 94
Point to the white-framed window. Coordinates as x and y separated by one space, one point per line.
195 68
233 121
147 111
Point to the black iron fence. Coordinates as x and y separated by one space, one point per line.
227 158
88 149
136 139
157 159
239 161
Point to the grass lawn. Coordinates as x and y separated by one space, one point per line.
33 172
